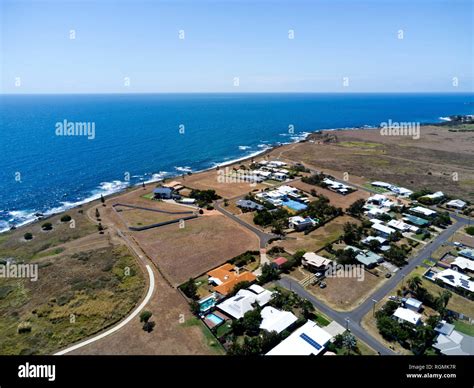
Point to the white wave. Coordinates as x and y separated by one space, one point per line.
155 177
243 148
445 118
183 169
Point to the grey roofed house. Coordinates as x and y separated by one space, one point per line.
454 344
467 252
163 192
247 204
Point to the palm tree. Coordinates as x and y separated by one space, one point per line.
414 283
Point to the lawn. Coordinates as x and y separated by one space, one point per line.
464 327
211 341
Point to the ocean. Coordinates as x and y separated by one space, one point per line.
144 137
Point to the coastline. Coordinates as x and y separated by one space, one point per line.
116 187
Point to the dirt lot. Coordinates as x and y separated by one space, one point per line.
346 293
201 245
426 162
337 200
316 239
140 217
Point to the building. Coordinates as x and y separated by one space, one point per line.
382 241
299 223
438 196
244 301
402 226
382 230
417 221
456 204
307 340
276 320
315 262
366 257
454 279
246 204
407 315
423 211
467 253
279 262
279 176
451 342
463 264
412 304
226 277
163 193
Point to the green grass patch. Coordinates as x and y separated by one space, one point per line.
464 327
148 196
429 263
359 144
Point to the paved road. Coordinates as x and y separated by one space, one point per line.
264 237
355 316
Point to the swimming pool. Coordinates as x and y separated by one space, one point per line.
294 205
214 319
206 303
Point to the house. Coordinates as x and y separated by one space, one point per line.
366 257
382 230
163 193
423 211
407 315
276 320
463 264
175 185
299 223
279 262
412 304
187 201
279 176
454 279
307 340
244 301
263 174
402 226
402 191
226 277
382 241
246 204
379 200
451 342
337 186
315 262
438 196
417 221
275 164
467 252
456 204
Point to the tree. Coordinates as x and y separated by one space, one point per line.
307 308
374 245
269 273
66 218
190 289
28 236
102 199
352 233
470 230
396 255
356 208
251 321
263 218
349 342
414 283
47 226
97 214
149 326
145 316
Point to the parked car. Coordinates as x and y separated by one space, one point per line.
322 285
458 244
388 275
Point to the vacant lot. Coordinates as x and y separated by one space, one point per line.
346 293
427 162
201 245
316 239
337 200
140 217
74 297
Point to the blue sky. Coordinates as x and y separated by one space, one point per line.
139 40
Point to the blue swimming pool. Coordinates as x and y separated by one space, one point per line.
294 205
214 319
207 303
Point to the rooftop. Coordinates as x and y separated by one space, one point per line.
276 320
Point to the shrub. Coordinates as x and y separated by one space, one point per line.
66 218
470 230
28 236
24 327
47 226
145 316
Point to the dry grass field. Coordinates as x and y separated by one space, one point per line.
201 245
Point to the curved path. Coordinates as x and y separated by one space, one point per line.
122 323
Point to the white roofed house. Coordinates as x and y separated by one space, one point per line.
244 301
455 279
382 230
309 339
276 320
463 265
402 226
299 223
315 262
280 176
406 315
456 204
435 197
423 211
